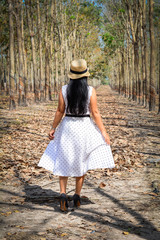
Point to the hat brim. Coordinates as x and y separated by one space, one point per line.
76 76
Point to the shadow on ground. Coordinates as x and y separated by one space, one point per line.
35 194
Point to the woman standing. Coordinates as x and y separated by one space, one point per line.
77 143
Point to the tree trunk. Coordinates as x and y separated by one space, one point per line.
47 56
145 80
127 68
41 78
62 47
30 25
159 70
56 53
26 83
20 54
136 64
142 60
130 71
119 74
133 74
152 92
12 103
52 50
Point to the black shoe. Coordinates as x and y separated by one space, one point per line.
77 200
63 202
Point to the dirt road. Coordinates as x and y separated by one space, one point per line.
116 205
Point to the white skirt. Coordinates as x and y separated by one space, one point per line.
78 146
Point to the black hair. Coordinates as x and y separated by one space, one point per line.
77 96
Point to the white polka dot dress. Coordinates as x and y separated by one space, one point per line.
78 146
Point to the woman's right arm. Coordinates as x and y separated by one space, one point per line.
97 117
58 116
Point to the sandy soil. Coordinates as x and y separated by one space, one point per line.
116 205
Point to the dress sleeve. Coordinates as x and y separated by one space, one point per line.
64 88
90 92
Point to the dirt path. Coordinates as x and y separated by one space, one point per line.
116 205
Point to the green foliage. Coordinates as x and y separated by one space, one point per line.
91 11
157 14
4 29
111 42
108 39
113 31
104 81
72 17
122 10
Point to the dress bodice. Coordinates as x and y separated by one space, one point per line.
64 93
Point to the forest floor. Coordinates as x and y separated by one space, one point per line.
122 203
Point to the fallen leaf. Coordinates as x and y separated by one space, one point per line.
41 233
125 233
84 197
16 211
102 185
153 194
93 224
6 214
64 234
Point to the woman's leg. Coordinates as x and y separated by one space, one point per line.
63 184
79 184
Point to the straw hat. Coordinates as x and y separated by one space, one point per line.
78 69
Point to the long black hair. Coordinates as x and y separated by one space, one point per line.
77 96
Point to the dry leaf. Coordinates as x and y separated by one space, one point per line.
102 185
153 194
64 234
41 233
93 224
16 211
84 197
125 233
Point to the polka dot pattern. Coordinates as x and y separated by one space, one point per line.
78 146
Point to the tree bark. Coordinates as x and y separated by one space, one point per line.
52 50
41 78
56 53
152 92
145 73
47 56
24 52
12 103
20 52
159 70
32 34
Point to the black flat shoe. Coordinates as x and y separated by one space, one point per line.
63 203
77 200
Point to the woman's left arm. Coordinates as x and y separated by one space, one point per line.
58 116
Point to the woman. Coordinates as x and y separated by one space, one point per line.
77 143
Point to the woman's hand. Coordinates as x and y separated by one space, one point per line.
106 137
51 134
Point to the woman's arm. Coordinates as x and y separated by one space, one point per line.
58 115
97 117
